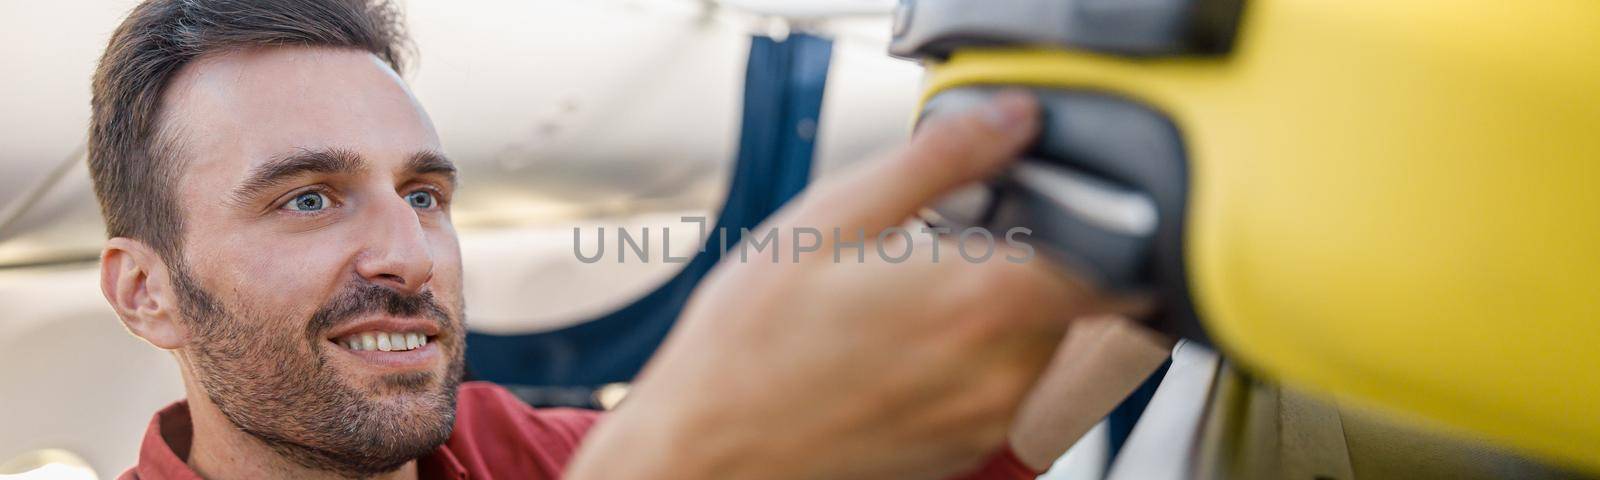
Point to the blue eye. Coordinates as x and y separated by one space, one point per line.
307 202
421 199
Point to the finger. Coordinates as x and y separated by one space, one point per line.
945 154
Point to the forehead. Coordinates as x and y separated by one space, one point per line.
227 112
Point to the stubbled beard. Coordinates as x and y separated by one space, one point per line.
278 387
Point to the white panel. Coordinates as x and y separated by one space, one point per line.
1163 442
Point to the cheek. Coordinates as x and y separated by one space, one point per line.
285 275
446 252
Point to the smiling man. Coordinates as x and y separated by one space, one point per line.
299 258
279 211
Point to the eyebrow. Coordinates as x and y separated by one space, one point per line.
305 161
432 162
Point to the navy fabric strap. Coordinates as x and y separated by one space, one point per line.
1122 419
784 82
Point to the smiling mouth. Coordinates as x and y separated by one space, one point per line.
384 341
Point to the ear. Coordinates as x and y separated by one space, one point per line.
136 282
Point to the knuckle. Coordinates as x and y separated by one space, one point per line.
946 141
925 158
964 126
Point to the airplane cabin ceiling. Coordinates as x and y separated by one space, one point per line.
555 110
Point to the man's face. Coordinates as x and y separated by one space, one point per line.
316 202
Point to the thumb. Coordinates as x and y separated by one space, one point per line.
946 154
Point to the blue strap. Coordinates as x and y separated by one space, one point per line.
784 81
1126 415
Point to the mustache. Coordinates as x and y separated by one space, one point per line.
360 299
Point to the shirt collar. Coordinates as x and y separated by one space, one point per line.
166 444
165 448
441 464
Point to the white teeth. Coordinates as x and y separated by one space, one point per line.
383 341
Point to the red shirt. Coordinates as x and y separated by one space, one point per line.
495 436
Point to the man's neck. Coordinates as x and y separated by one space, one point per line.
220 451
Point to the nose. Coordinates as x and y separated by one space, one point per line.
396 253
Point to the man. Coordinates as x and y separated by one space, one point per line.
278 207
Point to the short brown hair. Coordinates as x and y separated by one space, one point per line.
130 159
